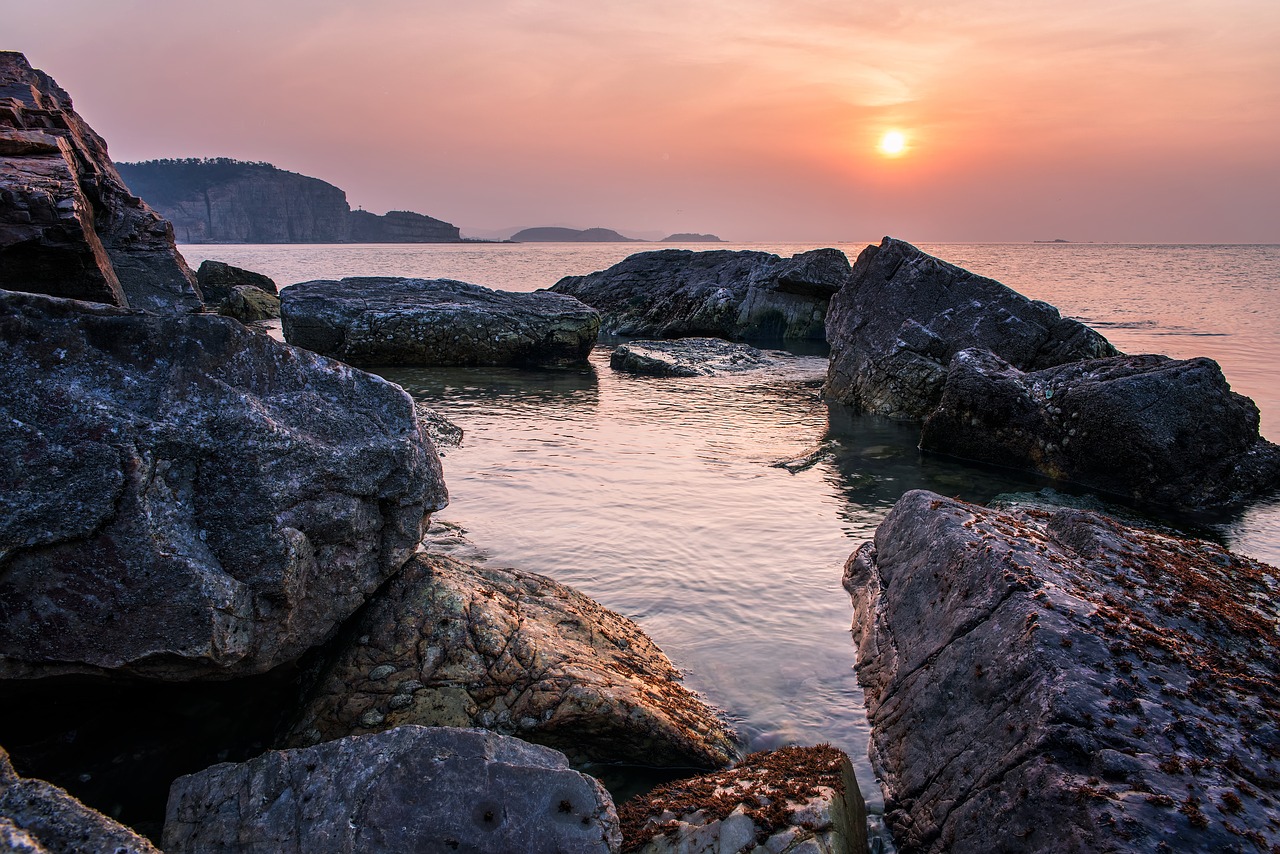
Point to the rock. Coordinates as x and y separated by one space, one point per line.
409 789
38 817
687 357
400 227
392 321
1056 681
442 432
553 234
217 279
449 644
184 498
1156 430
69 226
250 305
895 327
796 799
674 293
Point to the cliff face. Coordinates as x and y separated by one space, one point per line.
229 201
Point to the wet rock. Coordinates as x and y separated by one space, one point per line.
688 357
184 498
895 327
391 321
675 293
1056 681
796 799
449 644
38 817
69 226
409 789
1156 430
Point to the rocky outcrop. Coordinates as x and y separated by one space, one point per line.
69 226
904 314
392 321
553 234
400 227
243 294
183 498
1156 430
1055 681
37 817
787 801
687 357
409 789
450 644
676 293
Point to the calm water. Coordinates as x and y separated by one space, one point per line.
659 497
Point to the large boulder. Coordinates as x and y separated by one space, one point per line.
688 357
676 293
408 789
69 226
904 314
450 644
39 818
217 279
392 321
1053 681
181 498
1156 430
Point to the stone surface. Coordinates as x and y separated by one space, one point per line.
184 498
904 314
68 224
1053 681
37 817
251 305
674 293
217 279
786 801
687 357
450 644
393 321
1159 431
409 789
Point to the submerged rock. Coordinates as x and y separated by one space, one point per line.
904 314
675 293
390 321
449 644
409 789
1055 681
69 226
184 498
688 357
795 799
1156 430
38 817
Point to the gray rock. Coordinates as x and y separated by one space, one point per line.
250 305
69 226
393 321
895 327
675 293
1159 431
687 357
217 279
1055 682
184 498
38 817
449 644
409 789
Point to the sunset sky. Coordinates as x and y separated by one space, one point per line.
1104 120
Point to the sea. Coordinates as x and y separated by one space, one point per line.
718 513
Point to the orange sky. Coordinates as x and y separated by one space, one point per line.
1106 120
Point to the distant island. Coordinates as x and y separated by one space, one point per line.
221 200
684 237
552 234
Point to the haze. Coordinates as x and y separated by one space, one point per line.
1103 120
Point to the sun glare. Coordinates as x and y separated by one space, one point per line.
893 143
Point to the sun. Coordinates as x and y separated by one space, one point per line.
893 143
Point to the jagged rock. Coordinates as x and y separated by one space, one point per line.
69 226
1156 430
392 321
184 498
409 789
787 801
39 817
217 279
442 431
1058 682
895 327
449 644
674 293
250 305
687 357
